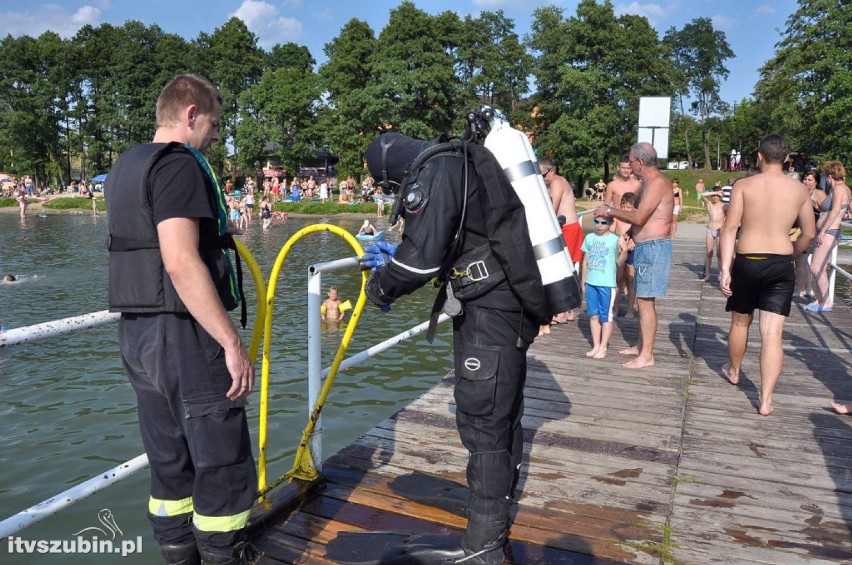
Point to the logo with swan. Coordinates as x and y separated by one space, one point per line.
110 527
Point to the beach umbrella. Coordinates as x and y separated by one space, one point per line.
99 178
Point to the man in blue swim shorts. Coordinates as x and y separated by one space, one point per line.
651 222
761 274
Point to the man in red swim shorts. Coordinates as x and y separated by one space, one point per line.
562 197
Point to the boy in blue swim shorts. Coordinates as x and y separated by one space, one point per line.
603 252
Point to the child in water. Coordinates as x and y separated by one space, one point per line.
332 309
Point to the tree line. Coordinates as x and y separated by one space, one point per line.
573 83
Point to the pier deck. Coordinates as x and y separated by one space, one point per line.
669 464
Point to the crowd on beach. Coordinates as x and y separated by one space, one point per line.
274 190
12 188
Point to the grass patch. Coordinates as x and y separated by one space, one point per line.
677 479
684 387
80 203
662 549
325 208
8 202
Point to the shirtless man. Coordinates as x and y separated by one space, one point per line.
621 184
715 220
652 256
699 191
764 207
562 197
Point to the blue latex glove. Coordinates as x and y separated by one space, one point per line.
377 254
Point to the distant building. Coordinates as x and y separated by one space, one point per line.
320 166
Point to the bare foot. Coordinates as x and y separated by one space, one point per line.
841 408
705 279
629 315
765 408
569 317
629 351
638 363
543 330
726 372
600 354
591 352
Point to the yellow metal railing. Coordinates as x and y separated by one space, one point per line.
303 467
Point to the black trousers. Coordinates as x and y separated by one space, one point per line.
491 368
203 476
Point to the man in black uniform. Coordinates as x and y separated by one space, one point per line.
172 279
466 226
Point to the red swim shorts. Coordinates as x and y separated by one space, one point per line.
573 235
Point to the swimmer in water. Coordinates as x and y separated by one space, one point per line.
9 278
367 228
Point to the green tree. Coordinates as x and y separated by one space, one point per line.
807 85
416 89
346 76
33 95
699 52
590 71
289 55
232 60
492 64
281 109
94 112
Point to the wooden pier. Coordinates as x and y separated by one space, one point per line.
669 464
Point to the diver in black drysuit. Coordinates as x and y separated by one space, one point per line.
465 227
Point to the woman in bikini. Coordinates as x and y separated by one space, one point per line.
678 205
804 280
832 209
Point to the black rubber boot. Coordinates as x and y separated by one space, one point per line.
484 540
185 553
210 558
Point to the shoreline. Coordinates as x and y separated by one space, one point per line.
38 206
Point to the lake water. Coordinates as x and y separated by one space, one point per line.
68 412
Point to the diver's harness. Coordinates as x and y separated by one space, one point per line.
462 277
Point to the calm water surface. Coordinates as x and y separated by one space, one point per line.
68 412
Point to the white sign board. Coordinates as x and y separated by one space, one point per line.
654 116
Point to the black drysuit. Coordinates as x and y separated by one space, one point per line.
493 272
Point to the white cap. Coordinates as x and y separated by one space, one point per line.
366 223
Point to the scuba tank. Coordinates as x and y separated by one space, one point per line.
513 151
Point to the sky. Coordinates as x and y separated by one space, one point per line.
752 27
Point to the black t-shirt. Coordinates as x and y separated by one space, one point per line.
179 189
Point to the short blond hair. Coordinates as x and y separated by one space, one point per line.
835 170
183 91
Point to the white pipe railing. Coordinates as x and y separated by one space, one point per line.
315 376
15 336
64 499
